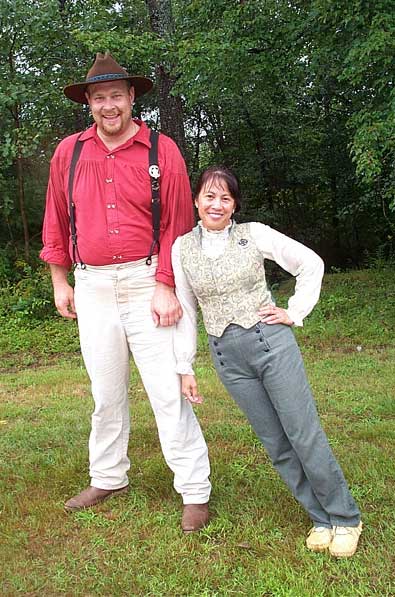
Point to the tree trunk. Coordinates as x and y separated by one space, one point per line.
196 153
170 106
15 111
260 153
214 119
21 190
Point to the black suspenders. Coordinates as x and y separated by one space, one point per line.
74 160
154 173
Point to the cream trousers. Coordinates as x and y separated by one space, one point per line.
114 320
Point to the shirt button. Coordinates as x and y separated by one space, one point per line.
111 231
116 231
108 180
109 205
113 205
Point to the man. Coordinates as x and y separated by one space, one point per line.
124 305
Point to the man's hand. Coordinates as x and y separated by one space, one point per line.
64 301
165 308
63 292
189 389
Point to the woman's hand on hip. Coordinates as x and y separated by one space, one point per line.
271 314
189 389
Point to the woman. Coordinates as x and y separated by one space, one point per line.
221 264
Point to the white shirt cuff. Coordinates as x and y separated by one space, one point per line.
184 368
297 319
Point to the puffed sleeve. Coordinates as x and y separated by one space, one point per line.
176 204
185 337
298 260
56 225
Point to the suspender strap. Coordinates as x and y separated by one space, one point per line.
154 173
74 159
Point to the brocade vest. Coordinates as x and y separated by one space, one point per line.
230 288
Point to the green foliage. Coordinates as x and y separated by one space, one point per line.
33 116
30 299
361 36
356 309
296 97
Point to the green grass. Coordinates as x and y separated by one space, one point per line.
254 544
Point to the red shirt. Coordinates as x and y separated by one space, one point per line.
112 196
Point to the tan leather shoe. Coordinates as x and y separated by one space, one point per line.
345 541
92 496
194 517
319 538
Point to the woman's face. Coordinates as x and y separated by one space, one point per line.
215 205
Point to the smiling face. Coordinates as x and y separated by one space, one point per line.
111 107
215 204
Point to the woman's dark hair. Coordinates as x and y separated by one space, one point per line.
218 175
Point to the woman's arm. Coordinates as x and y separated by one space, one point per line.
298 260
185 335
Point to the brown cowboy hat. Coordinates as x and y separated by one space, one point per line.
104 69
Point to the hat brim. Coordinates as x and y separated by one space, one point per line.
76 92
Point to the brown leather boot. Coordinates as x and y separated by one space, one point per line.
92 496
194 517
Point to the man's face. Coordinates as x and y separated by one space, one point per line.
111 106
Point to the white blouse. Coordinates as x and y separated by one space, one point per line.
292 256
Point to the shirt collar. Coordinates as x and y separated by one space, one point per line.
142 135
224 232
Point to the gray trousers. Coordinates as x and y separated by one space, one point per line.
262 369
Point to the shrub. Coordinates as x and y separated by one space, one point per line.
30 298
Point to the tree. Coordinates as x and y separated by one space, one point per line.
297 97
30 78
364 35
170 106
